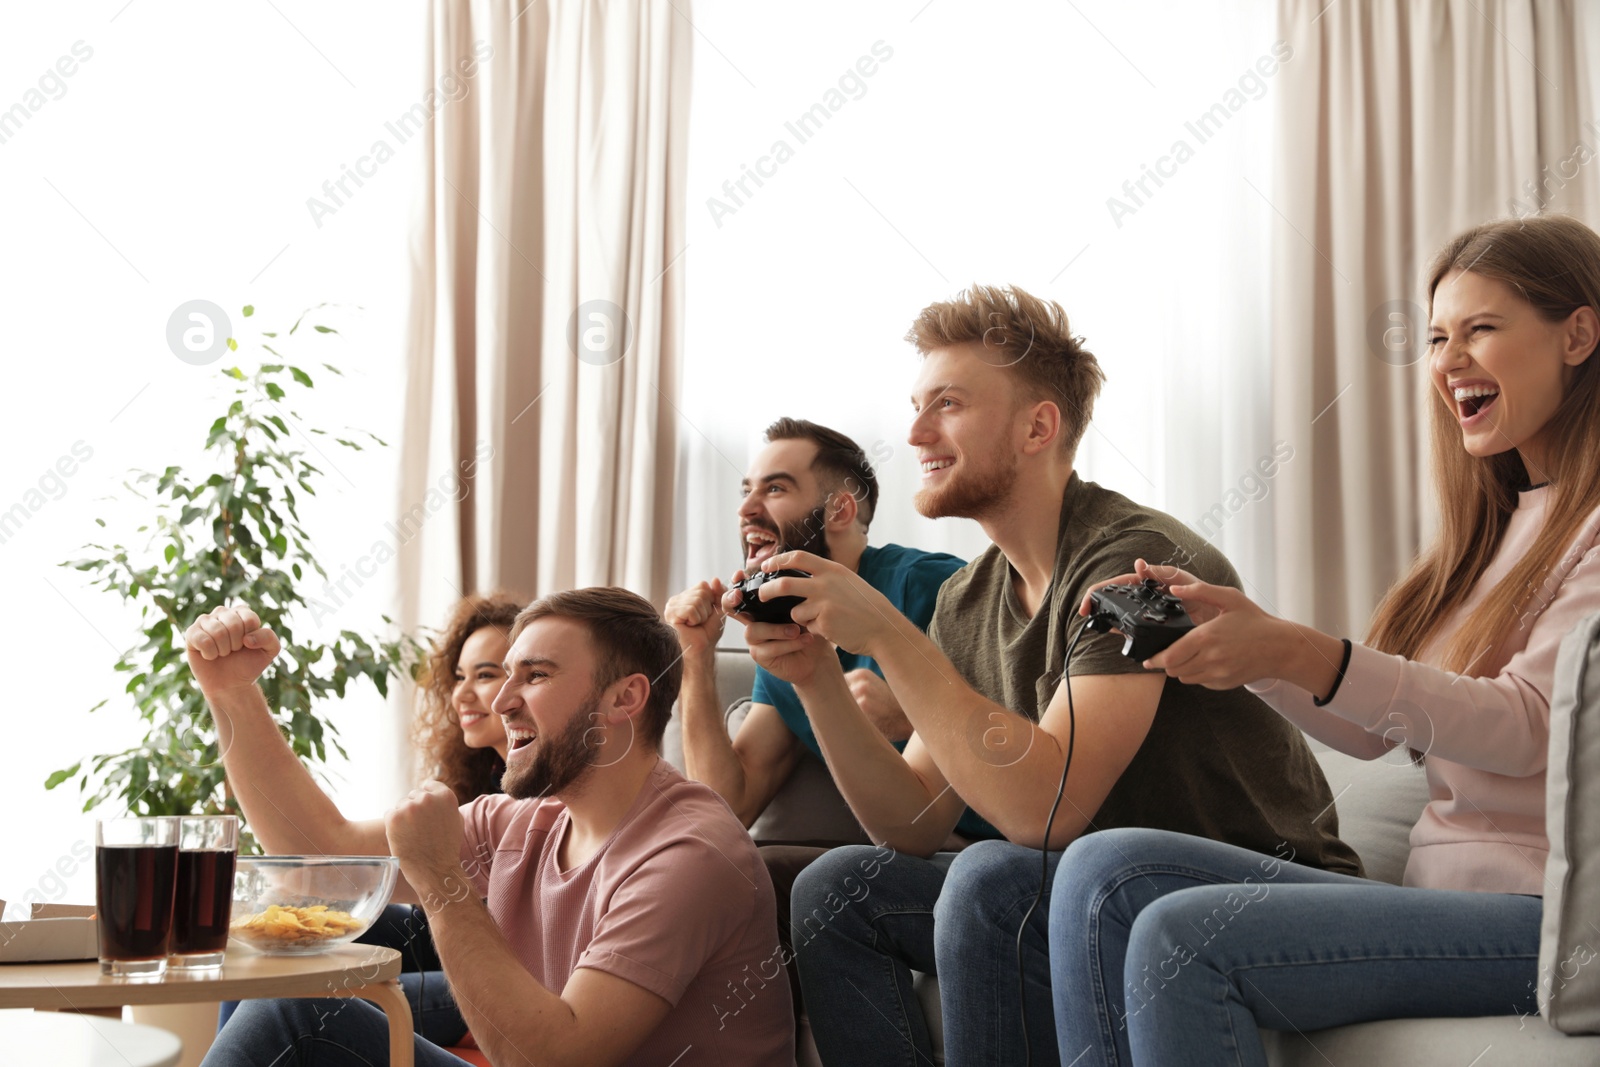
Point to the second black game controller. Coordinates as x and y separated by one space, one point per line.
775 610
1149 618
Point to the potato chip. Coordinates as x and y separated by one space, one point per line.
283 926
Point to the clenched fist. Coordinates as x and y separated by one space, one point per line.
425 833
696 616
229 649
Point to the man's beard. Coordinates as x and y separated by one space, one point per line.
810 534
560 763
972 492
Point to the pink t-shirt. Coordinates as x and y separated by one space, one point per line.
677 901
1486 736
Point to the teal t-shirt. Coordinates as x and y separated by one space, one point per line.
910 578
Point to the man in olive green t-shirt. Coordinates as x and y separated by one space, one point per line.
1003 398
1217 764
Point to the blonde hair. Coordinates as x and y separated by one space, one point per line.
1029 336
1552 262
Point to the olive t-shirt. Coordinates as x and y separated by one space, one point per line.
1217 764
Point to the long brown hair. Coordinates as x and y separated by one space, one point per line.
1553 262
437 729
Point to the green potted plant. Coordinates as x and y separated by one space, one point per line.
229 533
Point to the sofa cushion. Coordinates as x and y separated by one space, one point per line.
736 676
808 807
1569 977
1379 801
1492 1041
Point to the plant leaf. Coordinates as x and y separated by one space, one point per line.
57 777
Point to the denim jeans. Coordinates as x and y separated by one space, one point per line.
1170 949
784 862
333 1032
989 889
858 937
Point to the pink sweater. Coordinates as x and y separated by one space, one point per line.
1486 736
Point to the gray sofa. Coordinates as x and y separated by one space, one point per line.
1378 803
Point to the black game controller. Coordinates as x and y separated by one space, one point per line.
1148 617
775 610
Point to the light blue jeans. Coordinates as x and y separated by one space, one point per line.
1169 949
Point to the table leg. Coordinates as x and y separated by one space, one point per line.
392 999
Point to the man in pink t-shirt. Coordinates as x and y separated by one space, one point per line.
604 911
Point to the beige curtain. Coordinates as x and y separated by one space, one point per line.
1401 122
547 300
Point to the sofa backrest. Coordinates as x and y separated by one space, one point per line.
1378 802
1569 943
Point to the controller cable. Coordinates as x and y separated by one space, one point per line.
416 960
1044 853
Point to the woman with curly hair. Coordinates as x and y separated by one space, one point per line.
462 742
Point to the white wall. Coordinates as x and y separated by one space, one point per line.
176 164
178 159
984 148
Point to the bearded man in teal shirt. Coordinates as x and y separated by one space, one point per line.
813 489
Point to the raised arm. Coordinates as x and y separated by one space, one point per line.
746 771
228 650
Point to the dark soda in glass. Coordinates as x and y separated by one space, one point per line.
204 900
134 887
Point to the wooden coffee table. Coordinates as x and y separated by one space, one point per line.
347 971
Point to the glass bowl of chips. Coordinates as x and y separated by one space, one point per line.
302 905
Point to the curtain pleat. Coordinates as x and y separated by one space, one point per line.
1400 124
539 453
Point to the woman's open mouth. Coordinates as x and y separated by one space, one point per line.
1473 401
472 718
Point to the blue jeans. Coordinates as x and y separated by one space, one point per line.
989 889
862 920
334 1032
1170 949
858 937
